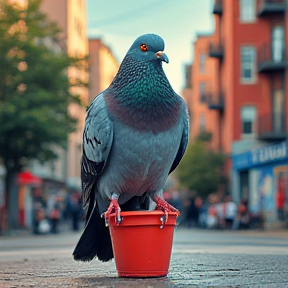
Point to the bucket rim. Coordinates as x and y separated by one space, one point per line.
143 218
144 213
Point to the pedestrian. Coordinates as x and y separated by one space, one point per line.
192 216
211 217
230 212
75 208
54 218
242 220
280 198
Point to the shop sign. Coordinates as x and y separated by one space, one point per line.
272 153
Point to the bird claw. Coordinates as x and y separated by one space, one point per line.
161 204
113 208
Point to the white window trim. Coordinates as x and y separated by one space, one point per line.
204 64
254 122
254 79
243 21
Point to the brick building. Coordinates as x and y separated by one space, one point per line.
71 17
102 67
245 86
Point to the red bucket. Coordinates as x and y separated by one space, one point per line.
141 243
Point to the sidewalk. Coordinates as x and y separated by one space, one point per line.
279 233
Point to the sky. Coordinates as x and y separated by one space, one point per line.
119 22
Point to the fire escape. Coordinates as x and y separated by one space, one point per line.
272 62
215 101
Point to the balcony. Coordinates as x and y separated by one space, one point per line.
215 101
267 7
218 7
272 128
269 60
216 50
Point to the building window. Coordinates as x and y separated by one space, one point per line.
202 63
202 123
248 64
278 43
202 90
248 117
278 112
247 10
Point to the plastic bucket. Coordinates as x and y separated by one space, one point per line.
141 243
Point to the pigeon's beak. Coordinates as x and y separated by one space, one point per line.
162 56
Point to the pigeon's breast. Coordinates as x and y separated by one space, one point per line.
139 162
147 115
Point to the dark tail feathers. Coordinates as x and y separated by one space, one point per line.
95 240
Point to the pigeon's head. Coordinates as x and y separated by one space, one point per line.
148 47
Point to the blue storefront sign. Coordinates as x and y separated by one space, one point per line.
260 156
266 166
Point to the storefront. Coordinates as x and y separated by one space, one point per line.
28 183
261 177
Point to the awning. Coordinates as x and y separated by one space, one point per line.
27 178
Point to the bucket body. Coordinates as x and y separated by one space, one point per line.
141 243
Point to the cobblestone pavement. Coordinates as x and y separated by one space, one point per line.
200 258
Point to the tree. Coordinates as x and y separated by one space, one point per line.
35 92
201 169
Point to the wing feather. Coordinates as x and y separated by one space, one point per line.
97 142
184 139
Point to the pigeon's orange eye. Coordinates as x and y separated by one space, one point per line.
143 47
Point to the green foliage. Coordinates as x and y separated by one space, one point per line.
201 169
35 91
204 136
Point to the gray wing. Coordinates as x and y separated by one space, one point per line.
185 137
97 142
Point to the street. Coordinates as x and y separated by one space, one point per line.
200 258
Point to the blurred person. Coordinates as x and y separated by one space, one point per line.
280 198
40 224
178 202
220 212
211 217
230 212
203 214
54 218
38 215
192 216
242 220
198 202
75 209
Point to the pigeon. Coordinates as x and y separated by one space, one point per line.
135 134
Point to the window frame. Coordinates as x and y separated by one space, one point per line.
202 60
244 120
202 122
202 92
252 68
243 5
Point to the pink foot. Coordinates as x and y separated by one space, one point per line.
113 208
161 204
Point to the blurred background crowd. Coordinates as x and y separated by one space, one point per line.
215 212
